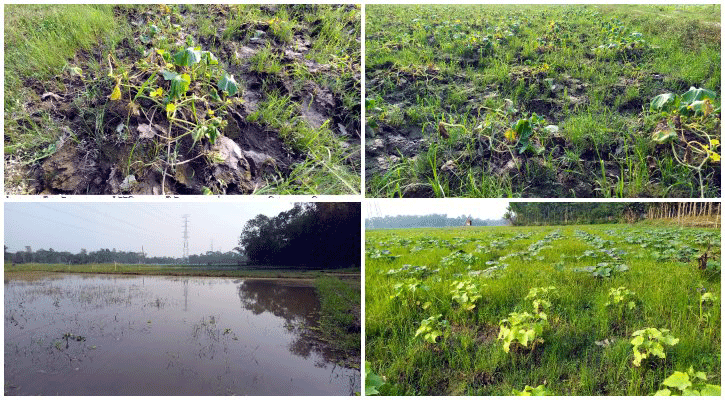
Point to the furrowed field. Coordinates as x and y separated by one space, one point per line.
571 310
542 101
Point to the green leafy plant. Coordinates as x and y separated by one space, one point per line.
650 342
540 297
408 292
688 383
707 299
522 132
540 390
620 300
373 382
465 293
603 269
523 328
695 115
432 328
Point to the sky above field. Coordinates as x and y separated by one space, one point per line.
158 227
476 208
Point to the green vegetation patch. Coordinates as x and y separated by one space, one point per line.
517 317
340 316
182 99
542 101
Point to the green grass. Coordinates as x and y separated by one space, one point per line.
340 313
140 269
467 359
428 63
307 53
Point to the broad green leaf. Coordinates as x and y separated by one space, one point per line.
679 380
179 84
664 102
209 58
228 84
187 57
710 390
663 392
372 381
695 94
690 392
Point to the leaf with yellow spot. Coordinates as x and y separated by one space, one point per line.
510 135
116 93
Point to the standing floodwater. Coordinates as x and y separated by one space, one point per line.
116 335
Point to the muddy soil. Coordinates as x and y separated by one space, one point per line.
109 147
531 175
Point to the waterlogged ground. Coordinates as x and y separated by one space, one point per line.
73 334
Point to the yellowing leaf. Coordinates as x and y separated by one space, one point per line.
714 143
157 93
160 52
171 107
116 94
714 157
510 135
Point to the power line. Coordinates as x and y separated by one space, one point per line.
185 255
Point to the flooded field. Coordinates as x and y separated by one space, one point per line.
73 334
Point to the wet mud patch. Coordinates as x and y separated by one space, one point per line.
130 142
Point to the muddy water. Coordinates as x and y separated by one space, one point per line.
71 334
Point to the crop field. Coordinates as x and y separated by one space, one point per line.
182 99
559 310
542 101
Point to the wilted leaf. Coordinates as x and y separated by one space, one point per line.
116 93
145 131
665 135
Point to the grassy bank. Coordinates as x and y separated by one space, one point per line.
437 299
340 320
103 99
123 269
541 101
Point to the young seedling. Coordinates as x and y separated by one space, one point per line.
524 328
432 328
688 383
650 342
540 390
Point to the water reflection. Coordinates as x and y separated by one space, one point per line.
157 335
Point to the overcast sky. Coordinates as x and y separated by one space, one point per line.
157 226
477 208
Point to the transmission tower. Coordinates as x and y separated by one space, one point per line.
185 256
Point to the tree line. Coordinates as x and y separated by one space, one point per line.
526 213
426 221
310 235
106 256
